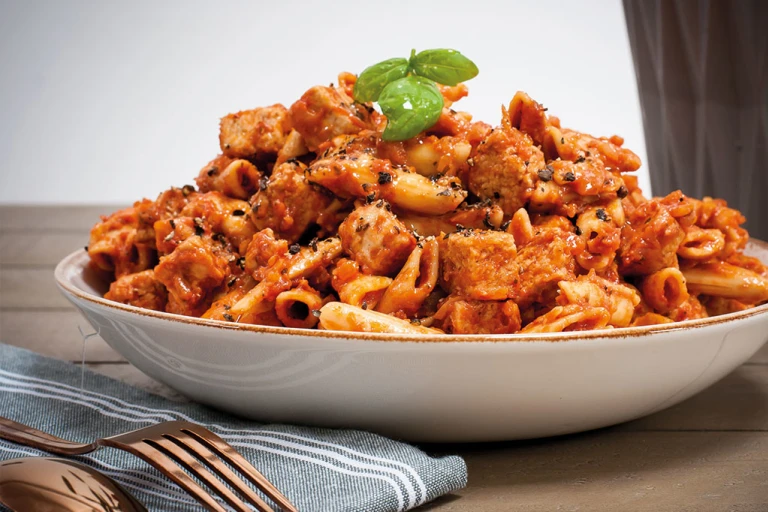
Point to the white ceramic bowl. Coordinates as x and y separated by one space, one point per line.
442 388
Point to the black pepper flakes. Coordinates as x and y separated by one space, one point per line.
212 170
384 178
86 248
370 197
487 221
232 281
362 227
227 307
241 262
228 317
545 174
294 248
199 228
364 305
187 189
505 225
569 176
313 244
172 223
622 192
238 213
219 238
577 230
600 213
562 140
445 192
580 159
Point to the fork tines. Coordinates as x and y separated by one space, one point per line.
197 449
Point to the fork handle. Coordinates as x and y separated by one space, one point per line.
25 435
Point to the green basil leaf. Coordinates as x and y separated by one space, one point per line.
444 66
411 104
373 79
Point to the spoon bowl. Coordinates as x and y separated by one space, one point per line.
46 484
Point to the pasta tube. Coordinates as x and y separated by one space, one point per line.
665 289
337 316
295 307
722 279
415 281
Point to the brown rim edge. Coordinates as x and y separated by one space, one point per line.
622 332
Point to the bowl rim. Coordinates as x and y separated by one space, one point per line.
80 259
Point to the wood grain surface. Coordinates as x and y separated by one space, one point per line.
709 453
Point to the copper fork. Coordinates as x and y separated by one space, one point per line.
169 446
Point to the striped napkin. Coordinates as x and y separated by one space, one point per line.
321 470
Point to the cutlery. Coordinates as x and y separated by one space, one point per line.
169 447
44 484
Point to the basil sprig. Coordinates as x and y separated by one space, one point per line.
405 89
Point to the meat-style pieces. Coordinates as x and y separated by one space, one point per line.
541 264
140 289
169 204
504 170
649 240
287 203
254 132
478 264
117 244
218 215
191 273
376 239
567 188
462 316
323 113
262 249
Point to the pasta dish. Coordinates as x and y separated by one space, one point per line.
309 219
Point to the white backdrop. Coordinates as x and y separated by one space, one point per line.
107 102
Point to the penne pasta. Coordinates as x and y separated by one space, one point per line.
723 279
569 318
701 244
296 307
665 289
415 281
472 229
282 271
337 316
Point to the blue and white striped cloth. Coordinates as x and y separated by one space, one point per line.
322 470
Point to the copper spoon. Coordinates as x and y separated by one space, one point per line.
45 484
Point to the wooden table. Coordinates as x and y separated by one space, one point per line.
709 453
